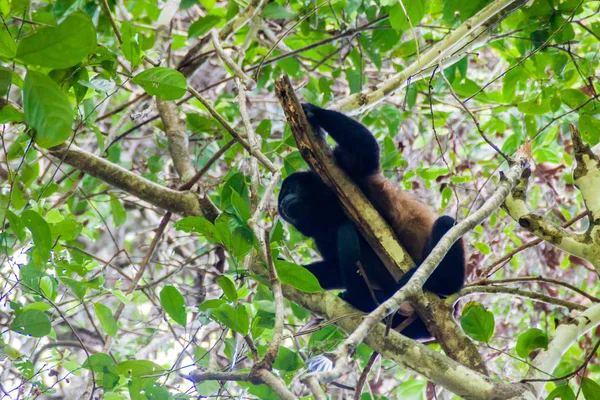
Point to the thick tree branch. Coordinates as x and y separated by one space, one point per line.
182 203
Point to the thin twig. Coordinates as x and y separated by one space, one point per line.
364 374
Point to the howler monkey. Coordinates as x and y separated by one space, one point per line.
314 210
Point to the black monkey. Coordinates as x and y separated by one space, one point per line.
314 210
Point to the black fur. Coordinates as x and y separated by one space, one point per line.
313 208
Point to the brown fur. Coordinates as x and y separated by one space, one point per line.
409 218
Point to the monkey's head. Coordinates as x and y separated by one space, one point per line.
308 204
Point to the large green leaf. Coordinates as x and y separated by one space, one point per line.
477 322
162 82
47 110
62 46
590 389
8 48
297 276
174 304
32 322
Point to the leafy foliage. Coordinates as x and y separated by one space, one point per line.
102 289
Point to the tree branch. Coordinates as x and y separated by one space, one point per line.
182 203
564 337
448 50
516 292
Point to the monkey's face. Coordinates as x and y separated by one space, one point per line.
298 193
308 204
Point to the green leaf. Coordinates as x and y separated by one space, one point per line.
538 106
6 76
297 276
223 231
276 11
477 322
107 321
432 172
563 392
199 225
464 9
69 229
510 82
482 247
174 304
201 357
118 211
9 114
162 82
547 154
40 231
239 205
203 26
228 287
573 98
30 278
590 389
130 46
47 110
47 286
446 196
79 289
589 128
415 10
31 322
62 46
100 362
19 201
211 304
531 340
38 305
16 225
8 48
235 319
139 368
287 360
564 29
242 241
353 77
